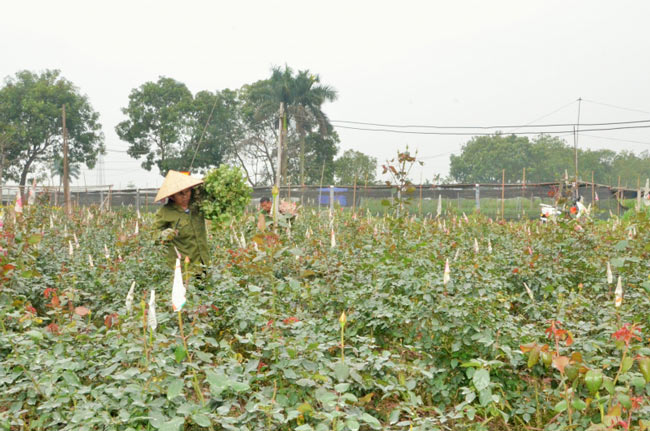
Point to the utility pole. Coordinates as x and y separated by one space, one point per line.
575 145
276 194
2 166
66 173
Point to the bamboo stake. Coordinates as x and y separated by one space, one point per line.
322 174
420 211
66 172
523 191
593 191
365 187
354 195
503 193
618 195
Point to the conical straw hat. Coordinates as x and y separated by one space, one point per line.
175 182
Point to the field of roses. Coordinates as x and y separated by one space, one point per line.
336 322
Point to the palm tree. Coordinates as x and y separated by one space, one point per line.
302 97
56 168
308 97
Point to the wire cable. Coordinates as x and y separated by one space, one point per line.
537 132
616 139
609 105
413 126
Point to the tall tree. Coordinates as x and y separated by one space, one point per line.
483 158
30 105
56 169
157 127
172 129
302 96
546 158
355 165
215 129
306 109
320 151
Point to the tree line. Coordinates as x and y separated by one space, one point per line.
168 127
545 158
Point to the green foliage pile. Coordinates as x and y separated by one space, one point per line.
262 346
224 194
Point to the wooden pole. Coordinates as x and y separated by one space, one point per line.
354 195
523 190
503 193
575 141
2 166
420 209
320 188
365 187
66 171
638 193
618 197
276 197
593 191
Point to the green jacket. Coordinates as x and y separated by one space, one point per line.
191 239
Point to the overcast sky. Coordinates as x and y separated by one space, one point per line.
407 62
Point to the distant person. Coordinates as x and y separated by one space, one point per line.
266 205
181 224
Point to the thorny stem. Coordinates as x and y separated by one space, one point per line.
618 373
144 332
31 376
342 343
568 404
195 380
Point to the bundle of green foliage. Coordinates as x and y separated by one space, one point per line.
224 194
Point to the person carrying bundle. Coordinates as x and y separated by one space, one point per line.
181 224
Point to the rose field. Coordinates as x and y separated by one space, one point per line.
339 321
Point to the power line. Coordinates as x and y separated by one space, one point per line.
617 139
550 113
538 132
413 126
616 106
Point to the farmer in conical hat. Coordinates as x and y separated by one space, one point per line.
181 224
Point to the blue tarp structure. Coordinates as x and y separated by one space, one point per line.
340 197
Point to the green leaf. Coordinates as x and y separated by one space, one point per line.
35 335
625 401
608 384
646 286
174 424
218 382
627 364
578 404
481 379
621 245
371 420
201 420
304 408
180 353
240 386
341 387
341 371
638 382
352 424
324 396
618 262
560 407
175 388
